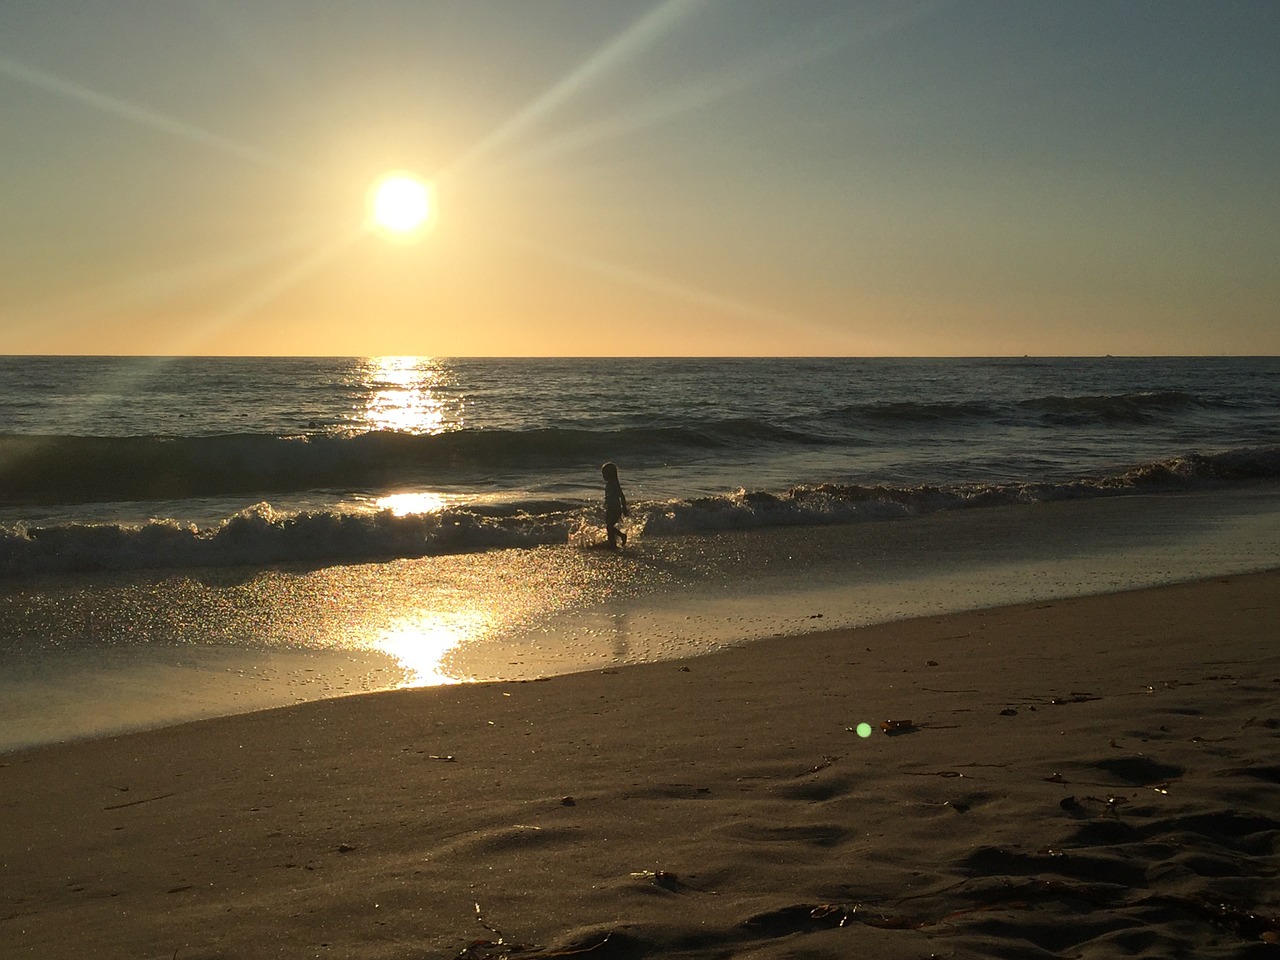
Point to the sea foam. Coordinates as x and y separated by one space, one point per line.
262 535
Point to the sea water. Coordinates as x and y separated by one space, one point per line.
293 528
167 463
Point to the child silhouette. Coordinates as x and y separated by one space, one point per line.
615 505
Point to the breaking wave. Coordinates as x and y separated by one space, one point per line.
262 535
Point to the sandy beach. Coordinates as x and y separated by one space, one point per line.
1090 777
658 480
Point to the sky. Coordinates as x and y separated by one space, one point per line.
642 177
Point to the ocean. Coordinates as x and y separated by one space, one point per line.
434 520
108 463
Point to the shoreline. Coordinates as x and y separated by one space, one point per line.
1088 774
93 656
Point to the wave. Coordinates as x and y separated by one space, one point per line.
64 469
84 469
851 503
262 535
908 413
53 469
1052 410
1116 408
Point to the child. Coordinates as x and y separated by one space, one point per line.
615 505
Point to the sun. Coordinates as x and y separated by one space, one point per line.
400 205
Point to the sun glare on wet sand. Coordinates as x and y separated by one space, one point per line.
400 205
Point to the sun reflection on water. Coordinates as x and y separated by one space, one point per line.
411 504
410 395
420 645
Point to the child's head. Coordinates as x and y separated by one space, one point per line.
610 471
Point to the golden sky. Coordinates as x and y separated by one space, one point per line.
616 177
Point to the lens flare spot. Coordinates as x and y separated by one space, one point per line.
864 730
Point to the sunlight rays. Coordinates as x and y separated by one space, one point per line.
195 333
820 41
511 143
153 288
763 317
253 301
87 305
626 45
116 107
663 286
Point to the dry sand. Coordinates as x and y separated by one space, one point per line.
1094 777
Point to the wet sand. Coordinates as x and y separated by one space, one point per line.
1088 777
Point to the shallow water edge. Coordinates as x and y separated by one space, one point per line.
93 655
